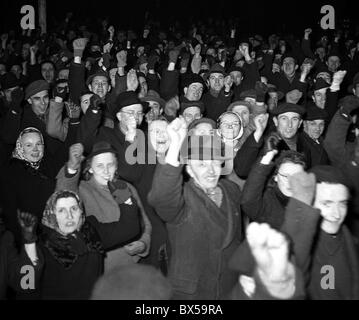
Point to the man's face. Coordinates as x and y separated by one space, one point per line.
143 87
287 124
314 128
128 113
159 137
32 146
64 74
333 63
289 66
191 113
100 86
202 129
320 97
85 101
321 53
16 70
211 52
286 170
103 167
194 91
155 110
48 72
205 172
216 81
236 77
39 102
7 93
332 200
68 214
243 113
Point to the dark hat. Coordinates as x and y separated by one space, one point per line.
154 96
217 68
192 78
273 88
320 83
97 73
36 87
330 174
185 105
101 147
355 82
9 80
251 93
204 147
334 52
315 113
125 99
236 68
288 107
194 123
239 103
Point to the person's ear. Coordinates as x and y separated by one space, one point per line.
275 120
109 88
29 101
300 123
313 97
296 67
185 89
90 87
275 178
353 91
91 171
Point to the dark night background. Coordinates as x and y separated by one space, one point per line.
254 15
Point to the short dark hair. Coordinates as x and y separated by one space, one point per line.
292 157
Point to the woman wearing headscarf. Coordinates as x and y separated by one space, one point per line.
27 180
101 192
73 245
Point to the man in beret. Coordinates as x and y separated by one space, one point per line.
191 111
313 128
193 86
155 103
8 83
219 96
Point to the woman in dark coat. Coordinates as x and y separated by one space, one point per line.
73 246
28 180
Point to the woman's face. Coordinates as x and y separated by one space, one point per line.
32 146
103 167
230 126
68 214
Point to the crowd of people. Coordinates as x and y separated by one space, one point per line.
191 163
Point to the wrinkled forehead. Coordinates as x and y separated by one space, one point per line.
288 60
289 115
133 107
47 66
98 79
66 202
229 117
195 86
240 109
331 192
40 94
160 125
31 137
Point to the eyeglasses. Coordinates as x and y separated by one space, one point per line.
230 125
133 113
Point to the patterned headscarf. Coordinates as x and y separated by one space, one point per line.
49 216
18 153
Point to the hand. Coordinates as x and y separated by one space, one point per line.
107 47
120 191
199 38
79 46
146 32
275 68
73 110
96 102
4 37
348 104
338 77
228 82
34 49
270 250
135 247
111 30
177 131
303 187
307 32
173 56
132 80
28 223
271 143
261 121
131 132
306 67
121 58
75 156
61 92
197 49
